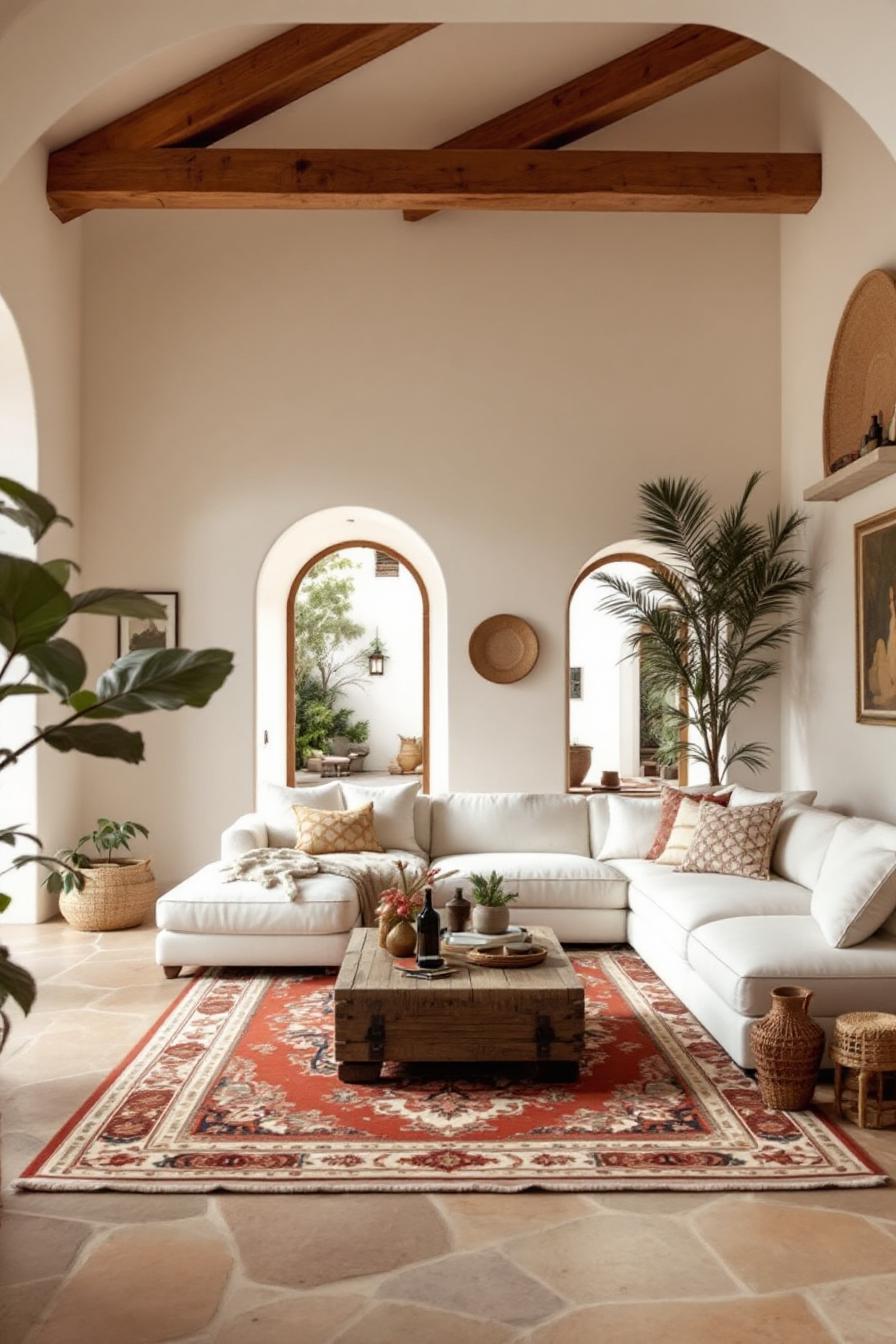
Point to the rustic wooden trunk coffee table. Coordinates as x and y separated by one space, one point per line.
533 1014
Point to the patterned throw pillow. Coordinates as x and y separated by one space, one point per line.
670 801
735 840
682 833
336 832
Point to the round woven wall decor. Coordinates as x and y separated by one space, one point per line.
862 372
504 648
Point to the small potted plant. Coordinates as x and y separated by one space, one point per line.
399 907
98 892
490 913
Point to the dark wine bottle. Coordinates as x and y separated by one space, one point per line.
428 934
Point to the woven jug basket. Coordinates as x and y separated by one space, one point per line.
787 1046
117 895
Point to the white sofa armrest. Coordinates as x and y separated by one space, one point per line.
247 832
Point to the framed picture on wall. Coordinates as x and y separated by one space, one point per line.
158 632
876 619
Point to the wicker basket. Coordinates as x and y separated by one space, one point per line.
116 895
788 1046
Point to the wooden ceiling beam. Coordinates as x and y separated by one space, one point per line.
440 179
671 63
251 85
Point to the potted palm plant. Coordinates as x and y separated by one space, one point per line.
113 892
490 902
709 624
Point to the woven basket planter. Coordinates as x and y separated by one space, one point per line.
787 1046
117 895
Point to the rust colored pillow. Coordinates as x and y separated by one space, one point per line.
669 805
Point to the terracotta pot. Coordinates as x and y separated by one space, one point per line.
401 940
787 1046
490 919
579 764
410 755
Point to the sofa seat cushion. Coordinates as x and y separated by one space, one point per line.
678 903
206 904
544 881
744 959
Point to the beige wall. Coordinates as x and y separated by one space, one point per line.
502 383
823 256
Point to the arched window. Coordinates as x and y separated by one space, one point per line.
357 664
612 722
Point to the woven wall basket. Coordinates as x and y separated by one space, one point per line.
862 373
115 896
504 648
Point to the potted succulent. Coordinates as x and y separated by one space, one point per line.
98 892
490 913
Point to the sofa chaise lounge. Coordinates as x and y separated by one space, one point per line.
720 943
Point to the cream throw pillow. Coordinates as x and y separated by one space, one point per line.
683 829
633 823
349 832
734 840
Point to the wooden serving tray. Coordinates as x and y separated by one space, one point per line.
505 960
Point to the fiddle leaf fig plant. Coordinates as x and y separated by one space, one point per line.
37 659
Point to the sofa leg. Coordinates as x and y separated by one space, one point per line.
172 972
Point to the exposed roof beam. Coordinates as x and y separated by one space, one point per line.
433 179
252 85
631 82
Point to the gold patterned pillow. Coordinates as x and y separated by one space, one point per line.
735 840
347 832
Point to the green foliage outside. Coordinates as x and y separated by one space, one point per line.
325 661
35 659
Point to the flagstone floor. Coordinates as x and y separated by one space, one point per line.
801 1268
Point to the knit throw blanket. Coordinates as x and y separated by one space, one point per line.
283 870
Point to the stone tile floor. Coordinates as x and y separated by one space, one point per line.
374 1269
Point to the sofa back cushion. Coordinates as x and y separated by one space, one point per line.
856 889
804 834
393 811
276 802
632 827
741 796
515 823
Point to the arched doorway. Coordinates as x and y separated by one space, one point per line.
309 538
386 625
607 707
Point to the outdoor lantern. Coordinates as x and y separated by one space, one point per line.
375 664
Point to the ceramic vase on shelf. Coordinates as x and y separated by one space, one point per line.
787 1047
401 940
491 919
579 763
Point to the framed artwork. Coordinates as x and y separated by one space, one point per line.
575 683
876 619
159 632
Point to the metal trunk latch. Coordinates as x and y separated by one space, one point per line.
544 1034
376 1037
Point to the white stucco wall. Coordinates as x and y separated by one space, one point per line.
822 258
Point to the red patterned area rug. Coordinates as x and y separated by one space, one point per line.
236 1089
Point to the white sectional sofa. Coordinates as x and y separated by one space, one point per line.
720 943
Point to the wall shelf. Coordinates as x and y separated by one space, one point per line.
874 466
